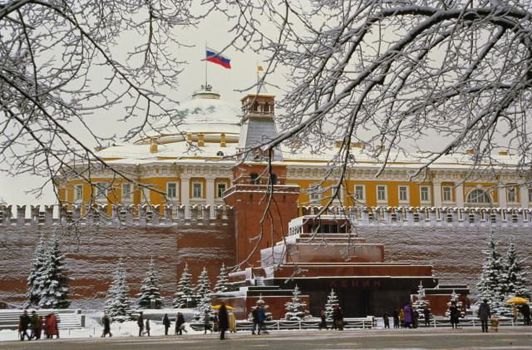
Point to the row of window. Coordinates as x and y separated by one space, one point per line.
172 190
476 196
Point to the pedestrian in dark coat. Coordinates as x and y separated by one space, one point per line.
262 319
223 321
426 315
396 323
106 322
525 310
323 317
206 322
140 323
484 314
415 318
255 319
166 323
23 324
148 326
454 314
35 325
180 324
386 319
339 318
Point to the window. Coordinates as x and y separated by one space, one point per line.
197 190
171 190
511 195
266 107
381 193
220 189
126 191
359 193
314 192
255 106
78 192
101 190
220 154
447 194
424 193
478 196
403 193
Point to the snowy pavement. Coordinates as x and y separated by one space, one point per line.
470 338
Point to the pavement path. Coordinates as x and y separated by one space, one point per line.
470 338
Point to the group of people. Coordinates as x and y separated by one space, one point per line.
37 325
406 317
258 316
337 319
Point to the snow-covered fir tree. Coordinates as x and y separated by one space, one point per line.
459 304
203 287
515 276
295 309
54 281
421 302
33 293
204 304
185 293
150 293
492 280
222 282
117 305
332 302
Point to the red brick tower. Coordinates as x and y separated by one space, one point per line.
263 203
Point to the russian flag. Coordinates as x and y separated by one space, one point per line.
215 57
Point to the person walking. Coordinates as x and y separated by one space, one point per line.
148 326
140 323
179 324
454 314
525 310
51 326
323 318
106 322
515 313
35 326
396 319
339 319
415 318
409 316
426 316
166 324
223 321
206 322
255 319
23 324
484 314
386 319
262 319
402 317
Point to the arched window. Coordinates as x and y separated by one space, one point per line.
478 196
254 177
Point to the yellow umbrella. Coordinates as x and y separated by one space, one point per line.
517 300
216 307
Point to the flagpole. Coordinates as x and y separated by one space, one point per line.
206 80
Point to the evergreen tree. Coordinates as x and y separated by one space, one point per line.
117 305
515 276
185 292
332 302
150 293
54 281
203 287
421 302
222 282
492 281
204 304
33 293
295 309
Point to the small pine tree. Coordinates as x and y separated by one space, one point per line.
203 287
33 293
205 304
117 305
185 293
332 302
295 309
420 303
515 276
222 282
150 293
492 281
54 281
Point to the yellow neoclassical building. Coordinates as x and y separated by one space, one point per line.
190 163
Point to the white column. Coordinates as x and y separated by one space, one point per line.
523 196
502 195
459 192
185 195
437 194
210 194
